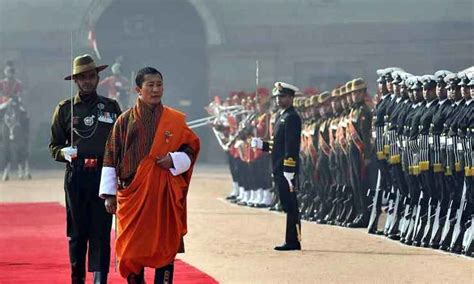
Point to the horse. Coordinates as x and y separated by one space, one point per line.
14 138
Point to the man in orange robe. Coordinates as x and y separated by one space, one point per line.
149 158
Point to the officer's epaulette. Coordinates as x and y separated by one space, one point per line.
64 102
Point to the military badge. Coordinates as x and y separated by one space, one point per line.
89 120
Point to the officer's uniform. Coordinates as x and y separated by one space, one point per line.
88 223
285 147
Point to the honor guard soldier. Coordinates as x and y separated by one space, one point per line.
359 128
285 147
440 195
78 140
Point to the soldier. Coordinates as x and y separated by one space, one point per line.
461 125
80 144
409 150
324 152
429 200
454 176
360 123
10 86
384 181
438 157
285 160
117 86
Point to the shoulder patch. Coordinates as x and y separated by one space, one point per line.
64 102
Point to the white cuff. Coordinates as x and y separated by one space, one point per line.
108 182
289 177
181 162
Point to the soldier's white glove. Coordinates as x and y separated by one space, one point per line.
69 153
289 177
256 143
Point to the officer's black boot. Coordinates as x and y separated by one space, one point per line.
78 275
164 275
425 242
100 277
136 278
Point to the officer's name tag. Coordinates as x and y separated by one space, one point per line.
460 148
442 140
449 141
431 140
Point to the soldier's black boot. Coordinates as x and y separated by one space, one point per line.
100 277
164 275
457 241
78 275
136 278
420 230
286 247
448 227
425 241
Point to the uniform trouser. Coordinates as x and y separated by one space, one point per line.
262 173
356 180
88 223
289 204
386 179
233 167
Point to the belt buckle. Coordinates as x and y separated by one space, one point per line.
90 163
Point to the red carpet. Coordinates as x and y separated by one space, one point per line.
33 248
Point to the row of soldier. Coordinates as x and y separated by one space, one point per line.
417 162
423 141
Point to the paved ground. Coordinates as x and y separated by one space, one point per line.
235 244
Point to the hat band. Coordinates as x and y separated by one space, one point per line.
83 68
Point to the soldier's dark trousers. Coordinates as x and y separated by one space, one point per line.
88 223
289 204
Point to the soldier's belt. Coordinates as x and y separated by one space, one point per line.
395 159
416 170
381 156
458 167
468 171
86 164
424 166
449 171
438 168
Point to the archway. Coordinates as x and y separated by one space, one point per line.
168 35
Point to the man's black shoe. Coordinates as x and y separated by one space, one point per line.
285 247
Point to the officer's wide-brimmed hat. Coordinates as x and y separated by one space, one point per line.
358 84
314 100
323 97
342 90
348 87
84 63
284 89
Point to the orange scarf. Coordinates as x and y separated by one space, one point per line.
151 211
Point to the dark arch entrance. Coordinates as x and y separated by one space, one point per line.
168 35
165 34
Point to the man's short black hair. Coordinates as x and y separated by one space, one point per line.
146 71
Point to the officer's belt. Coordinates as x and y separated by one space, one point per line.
91 164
